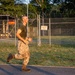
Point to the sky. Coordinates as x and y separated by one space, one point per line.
25 1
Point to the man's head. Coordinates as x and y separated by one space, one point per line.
25 19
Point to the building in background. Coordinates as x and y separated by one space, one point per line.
6 23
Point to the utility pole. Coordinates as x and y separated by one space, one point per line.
27 16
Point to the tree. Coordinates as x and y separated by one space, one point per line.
67 7
10 7
42 7
6 6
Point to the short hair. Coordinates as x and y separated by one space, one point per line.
25 17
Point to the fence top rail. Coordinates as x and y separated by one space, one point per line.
60 23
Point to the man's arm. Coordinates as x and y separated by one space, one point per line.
19 37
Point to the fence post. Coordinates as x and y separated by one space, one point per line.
49 31
15 33
39 33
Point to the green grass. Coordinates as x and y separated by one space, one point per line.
45 55
53 56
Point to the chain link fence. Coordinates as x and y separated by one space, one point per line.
52 30
55 31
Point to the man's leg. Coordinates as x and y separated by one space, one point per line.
16 56
10 56
25 62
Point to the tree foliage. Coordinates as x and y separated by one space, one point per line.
11 8
42 7
46 8
58 8
66 7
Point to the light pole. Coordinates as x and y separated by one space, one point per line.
27 9
27 2
27 15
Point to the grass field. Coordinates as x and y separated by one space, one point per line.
45 55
